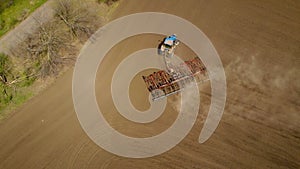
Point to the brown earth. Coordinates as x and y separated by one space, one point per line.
259 44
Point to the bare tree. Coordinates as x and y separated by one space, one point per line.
12 79
6 78
76 14
43 48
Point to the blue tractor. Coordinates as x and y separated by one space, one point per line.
167 47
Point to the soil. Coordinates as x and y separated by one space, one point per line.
258 42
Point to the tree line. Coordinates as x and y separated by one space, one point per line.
52 45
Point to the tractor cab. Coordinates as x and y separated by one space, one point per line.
168 46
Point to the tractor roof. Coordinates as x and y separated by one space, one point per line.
170 40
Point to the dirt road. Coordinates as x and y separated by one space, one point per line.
258 42
29 25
